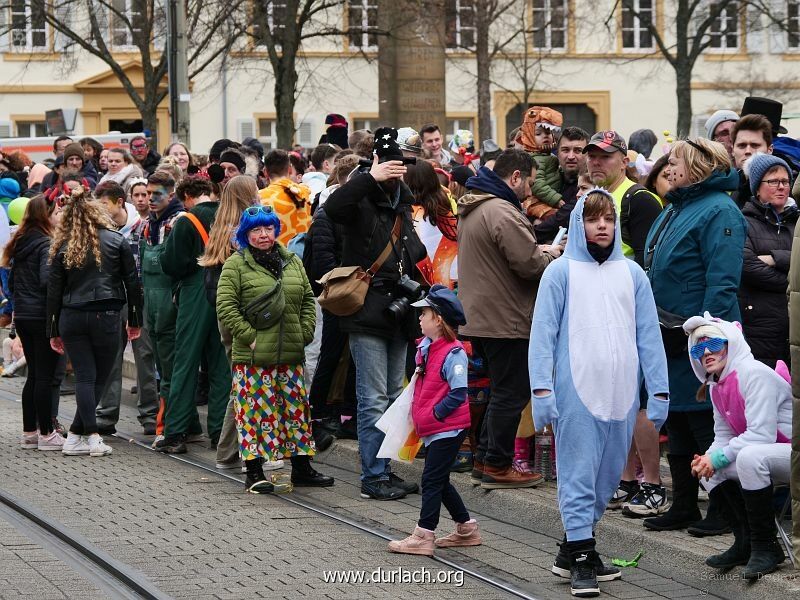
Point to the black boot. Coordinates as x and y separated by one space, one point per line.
683 511
765 551
323 431
583 568
304 475
714 522
728 496
255 482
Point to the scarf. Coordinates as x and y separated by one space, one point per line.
598 253
269 259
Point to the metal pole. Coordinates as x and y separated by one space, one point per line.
178 73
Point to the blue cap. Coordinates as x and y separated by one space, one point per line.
445 302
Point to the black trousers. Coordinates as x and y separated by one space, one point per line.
91 339
43 362
510 392
332 346
690 433
436 486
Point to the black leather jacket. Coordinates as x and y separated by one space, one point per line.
113 285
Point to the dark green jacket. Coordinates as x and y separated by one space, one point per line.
184 245
697 266
242 281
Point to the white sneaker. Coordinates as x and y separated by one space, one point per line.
155 441
76 445
29 440
53 442
9 370
97 446
272 465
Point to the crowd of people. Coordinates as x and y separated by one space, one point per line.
561 283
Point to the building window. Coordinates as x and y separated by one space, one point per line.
362 24
31 129
793 23
460 21
125 22
269 13
454 125
268 133
549 24
28 25
724 30
637 16
370 124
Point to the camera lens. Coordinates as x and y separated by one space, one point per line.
398 308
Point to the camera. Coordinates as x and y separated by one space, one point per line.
405 292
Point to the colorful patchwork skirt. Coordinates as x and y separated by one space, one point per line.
272 411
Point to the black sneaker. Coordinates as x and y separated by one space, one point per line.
172 444
381 490
561 566
625 493
407 486
322 438
583 574
258 484
650 501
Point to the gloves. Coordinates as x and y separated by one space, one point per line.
657 411
544 410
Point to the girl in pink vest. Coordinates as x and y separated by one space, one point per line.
751 448
441 416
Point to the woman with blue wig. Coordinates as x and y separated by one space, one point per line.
265 300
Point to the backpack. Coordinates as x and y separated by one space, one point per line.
625 210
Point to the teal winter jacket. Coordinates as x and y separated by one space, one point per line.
697 266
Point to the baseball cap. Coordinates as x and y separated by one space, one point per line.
445 302
607 141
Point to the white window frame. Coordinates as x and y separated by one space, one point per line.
28 32
269 141
722 21
365 27
269 6
131 15
637 28
459 7
793 26
547 11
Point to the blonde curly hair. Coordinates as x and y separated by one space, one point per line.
77 230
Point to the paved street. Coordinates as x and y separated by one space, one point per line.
197 535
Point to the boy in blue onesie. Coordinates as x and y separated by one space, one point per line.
595 328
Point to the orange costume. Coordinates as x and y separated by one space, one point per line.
291 202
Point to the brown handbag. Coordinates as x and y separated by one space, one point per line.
344 289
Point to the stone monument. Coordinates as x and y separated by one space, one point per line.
411 63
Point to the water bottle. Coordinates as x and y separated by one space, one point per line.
544 454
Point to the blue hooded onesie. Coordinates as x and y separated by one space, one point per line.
595 328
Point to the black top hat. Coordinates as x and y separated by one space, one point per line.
772 109
386 146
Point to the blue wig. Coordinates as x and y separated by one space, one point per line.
261 219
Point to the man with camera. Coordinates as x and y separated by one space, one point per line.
374 208
499 267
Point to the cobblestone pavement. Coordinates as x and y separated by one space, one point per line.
198 535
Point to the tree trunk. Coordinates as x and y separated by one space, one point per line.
150 123
285 90
483 73
683 91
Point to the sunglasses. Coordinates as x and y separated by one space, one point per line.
252 211
712 344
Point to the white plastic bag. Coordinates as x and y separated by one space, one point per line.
401 442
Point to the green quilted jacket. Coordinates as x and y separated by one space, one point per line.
242 281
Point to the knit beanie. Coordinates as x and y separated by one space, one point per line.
758 165
707 331
234 157
719 117
337 130
74 149
219 147
9 187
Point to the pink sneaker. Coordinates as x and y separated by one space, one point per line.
29 440
52 442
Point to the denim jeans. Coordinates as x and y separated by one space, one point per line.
380 368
